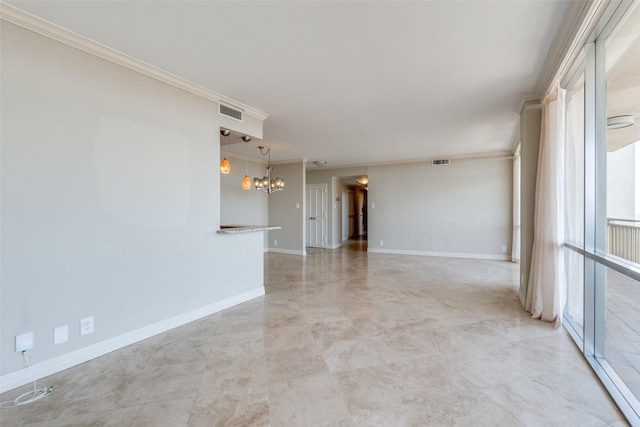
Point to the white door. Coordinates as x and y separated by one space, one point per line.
317 215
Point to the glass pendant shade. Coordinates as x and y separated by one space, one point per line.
225 166
246 183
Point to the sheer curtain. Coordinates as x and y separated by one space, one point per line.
574 205
546 292
515 240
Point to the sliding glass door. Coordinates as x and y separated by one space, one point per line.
602 170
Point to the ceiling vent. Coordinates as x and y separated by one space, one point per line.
232 113
441 162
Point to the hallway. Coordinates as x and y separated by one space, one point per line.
344 338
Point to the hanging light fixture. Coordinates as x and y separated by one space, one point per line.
225 165
246 181
364 180
267 184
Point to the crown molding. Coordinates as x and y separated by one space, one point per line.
494 155
38 25
531 104
289 161
565 43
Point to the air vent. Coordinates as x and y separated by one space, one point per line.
441 162
232 113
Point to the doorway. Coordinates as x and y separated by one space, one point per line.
356 213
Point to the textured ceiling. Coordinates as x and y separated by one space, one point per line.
346 82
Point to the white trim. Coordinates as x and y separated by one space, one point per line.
495 155
287 251
69 360
38 25
589 16
336 245
441 254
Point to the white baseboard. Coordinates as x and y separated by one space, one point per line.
287 251
336 245
66 361
441 254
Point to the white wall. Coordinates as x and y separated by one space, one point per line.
530 122
110 200
335 204
287 209
621 182
239 206
459 210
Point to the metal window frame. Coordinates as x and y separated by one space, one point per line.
596 260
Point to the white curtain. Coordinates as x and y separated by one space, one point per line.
515 240
546 292
574 206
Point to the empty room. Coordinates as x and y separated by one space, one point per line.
305 213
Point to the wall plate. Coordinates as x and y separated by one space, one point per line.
24 342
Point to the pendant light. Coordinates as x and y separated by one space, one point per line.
267 184
246 181
225 165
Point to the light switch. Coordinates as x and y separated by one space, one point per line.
373 205
297 205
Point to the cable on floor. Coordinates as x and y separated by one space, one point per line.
30 396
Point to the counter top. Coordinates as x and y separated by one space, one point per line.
236 229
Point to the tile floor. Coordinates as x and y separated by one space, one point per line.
622 329
344 338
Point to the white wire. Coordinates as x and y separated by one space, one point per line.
31 395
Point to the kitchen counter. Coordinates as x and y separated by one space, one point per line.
236 229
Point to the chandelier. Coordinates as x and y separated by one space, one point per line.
268 184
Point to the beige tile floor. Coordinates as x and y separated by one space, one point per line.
344 338
622 332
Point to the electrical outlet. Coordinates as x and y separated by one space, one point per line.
86 326
504 248
24 342
61 334
381 242
275 243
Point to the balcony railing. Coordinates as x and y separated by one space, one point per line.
624 238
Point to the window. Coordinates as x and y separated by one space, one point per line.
602 208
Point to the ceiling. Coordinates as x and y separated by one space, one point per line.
623 80
352 83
